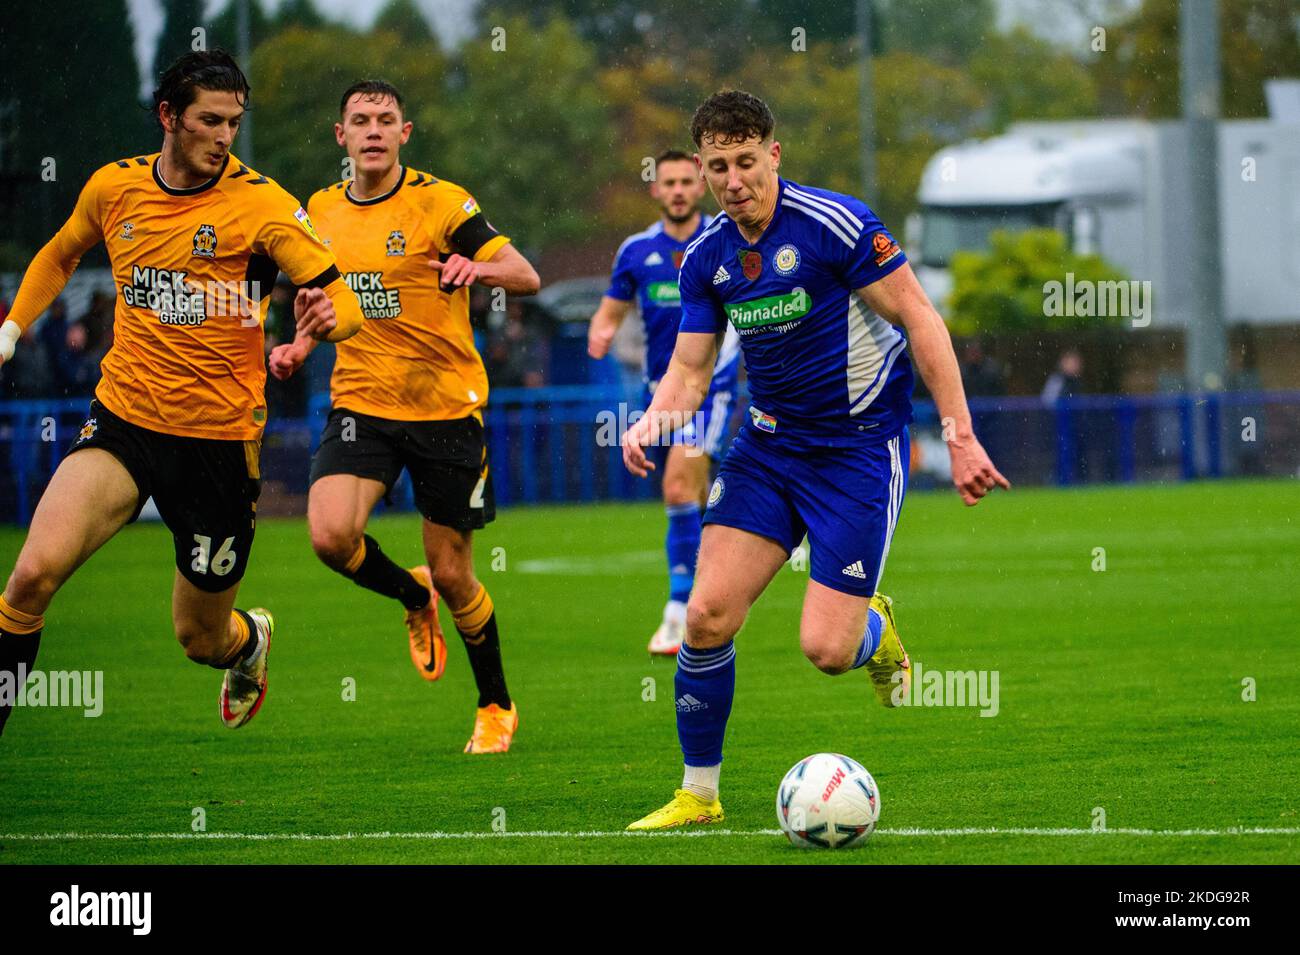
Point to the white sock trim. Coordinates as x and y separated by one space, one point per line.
702 781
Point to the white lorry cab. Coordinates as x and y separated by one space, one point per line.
1119 188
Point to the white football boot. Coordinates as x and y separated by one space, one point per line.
667 640
243 688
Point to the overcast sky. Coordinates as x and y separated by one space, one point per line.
450 19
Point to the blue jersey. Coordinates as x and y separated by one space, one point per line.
823 369
647 266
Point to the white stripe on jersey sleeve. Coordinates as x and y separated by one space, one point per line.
841 211
821 217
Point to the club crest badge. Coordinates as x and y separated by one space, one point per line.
205 242
786 260
716 492
396 243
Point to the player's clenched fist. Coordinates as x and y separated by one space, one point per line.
314 313
973 474
286 359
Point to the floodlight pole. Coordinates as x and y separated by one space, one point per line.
1206 336
246 121
866 120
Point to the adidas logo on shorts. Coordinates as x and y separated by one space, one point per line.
855 570
722 275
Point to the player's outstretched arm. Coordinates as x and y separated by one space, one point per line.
605 325
506 269
679 395
899 299
49 271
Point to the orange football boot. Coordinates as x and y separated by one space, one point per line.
493 729
428 648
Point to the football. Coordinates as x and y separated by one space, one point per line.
828 801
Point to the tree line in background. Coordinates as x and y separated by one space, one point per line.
553 129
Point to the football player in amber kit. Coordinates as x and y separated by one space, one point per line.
195 239
408 391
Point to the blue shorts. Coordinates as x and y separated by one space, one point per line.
707 429
845 499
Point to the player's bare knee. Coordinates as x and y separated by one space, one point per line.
32 585
334 546
710 624
827 657
680 490
454 581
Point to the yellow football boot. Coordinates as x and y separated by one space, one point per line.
686 809
889 659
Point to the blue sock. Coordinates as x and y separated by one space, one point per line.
870 639
704 686
682 545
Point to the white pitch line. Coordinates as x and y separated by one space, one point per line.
599 834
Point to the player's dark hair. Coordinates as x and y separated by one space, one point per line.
731 116
672 155
199 70
373 90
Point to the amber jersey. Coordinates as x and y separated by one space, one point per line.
414 358
193 269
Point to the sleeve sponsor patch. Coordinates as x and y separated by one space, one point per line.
305 222
471 207
883 248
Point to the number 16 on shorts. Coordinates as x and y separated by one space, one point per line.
205 562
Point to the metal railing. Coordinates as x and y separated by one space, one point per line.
560 444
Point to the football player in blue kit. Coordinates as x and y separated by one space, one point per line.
826 307
645 269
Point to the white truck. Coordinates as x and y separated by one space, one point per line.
1119 188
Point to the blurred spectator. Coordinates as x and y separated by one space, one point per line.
27 373
1065 382
76 368
516 353
981 376
52 330
98 322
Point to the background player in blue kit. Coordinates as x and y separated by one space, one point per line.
821 296
646 268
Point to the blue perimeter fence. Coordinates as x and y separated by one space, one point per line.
559 444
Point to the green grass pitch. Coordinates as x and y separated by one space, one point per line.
1120 689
